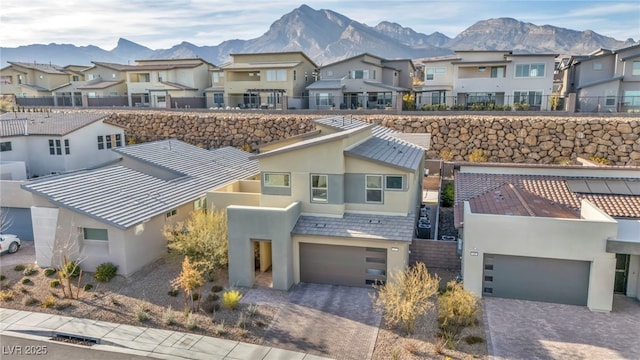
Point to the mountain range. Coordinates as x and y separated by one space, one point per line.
326 36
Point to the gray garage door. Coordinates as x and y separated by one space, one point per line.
537 279
19 220
342 265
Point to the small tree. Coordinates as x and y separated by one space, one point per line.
203 238
457 309
408 102
448 195
190 281
66 258
407 296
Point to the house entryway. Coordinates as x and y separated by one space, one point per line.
622 273
262 263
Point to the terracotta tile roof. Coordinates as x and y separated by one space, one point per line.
551 188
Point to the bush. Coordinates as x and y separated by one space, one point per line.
407 296
54 283
105 272
209 307
26 281
62 305
447 196
49 302
190 321
168 316
87 287
212 297
195 296
457 308
473 339
2 277
30 301
6 295
49 271
142 314
231 299
19 267
173 292
216 288
29 271
478 156
71 269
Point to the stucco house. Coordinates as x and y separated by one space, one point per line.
116 214
488 77
273 80
363 81
567 235
605 80
55 142
36 80
337 205
103 85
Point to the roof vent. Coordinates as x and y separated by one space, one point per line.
321 225
374 221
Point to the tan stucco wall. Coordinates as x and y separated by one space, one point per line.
572 239
396 260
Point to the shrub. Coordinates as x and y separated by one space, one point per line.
62 305
190 321
447 196
168 316
26 281
252 310
49 271
24 290
19 267
457 308
49 302
142 314
473 339
219 329
195 296
446 154
478 156
71 269
54 283
29 271
212 297
216 288
2 277
173 292
242 321
29 301
87 287
407 296
105 272
600 160
231 299
209 307
6 295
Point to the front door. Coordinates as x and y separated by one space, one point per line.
622 272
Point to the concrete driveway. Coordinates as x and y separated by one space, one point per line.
518 329
26 255
326 320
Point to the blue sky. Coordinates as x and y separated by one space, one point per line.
164 23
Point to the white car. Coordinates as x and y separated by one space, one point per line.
9 243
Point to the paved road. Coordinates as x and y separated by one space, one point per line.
519 329
26 255
15 348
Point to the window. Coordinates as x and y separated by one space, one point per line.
5 80
497 72
373 189
75 78
528 97
217 77
55 147
294 75
5 146
482 68
611 98
393 182
529 70
92 76
95 234
200 204
276 75
359 74
319 188
171 213
100 142
324 99
631 98
276 180
92 95
635 70
113 75
597 66
108 137
141 77
431 71
218 98
67 150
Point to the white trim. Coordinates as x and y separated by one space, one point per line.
320 201
366 188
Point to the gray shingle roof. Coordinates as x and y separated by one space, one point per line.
124 197
382 147
362 226
326 84
53 123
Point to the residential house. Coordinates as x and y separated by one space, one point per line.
117 214
56 142
562 234
603 81
363 81
215 93
36 80
336 206
486 79
274 80
167 83
104 85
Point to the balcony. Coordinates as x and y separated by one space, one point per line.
241 192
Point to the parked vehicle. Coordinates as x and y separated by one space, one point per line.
9 243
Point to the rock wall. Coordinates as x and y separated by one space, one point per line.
504 138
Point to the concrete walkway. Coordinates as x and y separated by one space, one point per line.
135 340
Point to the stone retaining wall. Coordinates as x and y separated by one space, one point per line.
504 138
435 254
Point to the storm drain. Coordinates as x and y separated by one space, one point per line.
75 339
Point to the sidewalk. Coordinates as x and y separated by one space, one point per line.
136 340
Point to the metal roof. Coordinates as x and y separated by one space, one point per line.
101 85
261 65
124 197
46 123
362 226
326 84
385 86
46 68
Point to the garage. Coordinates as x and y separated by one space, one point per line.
537 279
19 220
342 265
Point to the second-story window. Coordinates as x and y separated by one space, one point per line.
276 75
635 70
373 189
359 74
55 147
276 179
5 146
529 70
67 149
319 188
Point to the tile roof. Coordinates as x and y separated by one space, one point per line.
100 85
362 226
124 197
35 87
326 84
48 123
177 86
553 188
385 86
46 68
261 65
